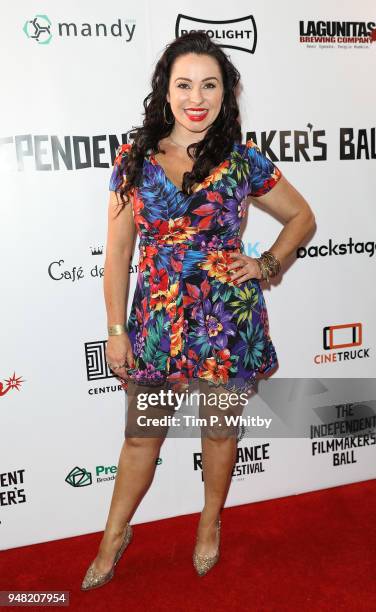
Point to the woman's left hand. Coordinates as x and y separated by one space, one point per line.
244 268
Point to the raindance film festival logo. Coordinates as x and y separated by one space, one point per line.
13 382
40 29
239 34
343 336
249 460
97 368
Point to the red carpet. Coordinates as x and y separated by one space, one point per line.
310 552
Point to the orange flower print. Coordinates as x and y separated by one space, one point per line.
217 264
176 230
215 176
216 369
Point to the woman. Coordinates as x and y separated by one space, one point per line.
198 311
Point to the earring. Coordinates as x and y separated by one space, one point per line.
164 115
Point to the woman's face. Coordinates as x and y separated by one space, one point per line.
195 91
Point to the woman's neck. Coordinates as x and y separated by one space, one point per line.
184 139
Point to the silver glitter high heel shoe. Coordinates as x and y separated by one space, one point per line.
203 563
94 579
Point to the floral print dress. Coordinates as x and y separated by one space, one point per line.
188 320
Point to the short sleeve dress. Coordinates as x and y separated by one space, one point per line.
188 320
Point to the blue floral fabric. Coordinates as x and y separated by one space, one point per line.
188 320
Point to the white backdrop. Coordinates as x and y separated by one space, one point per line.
65 88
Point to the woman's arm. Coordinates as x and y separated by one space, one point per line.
288 205
121 233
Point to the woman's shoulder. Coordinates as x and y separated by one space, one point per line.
123 150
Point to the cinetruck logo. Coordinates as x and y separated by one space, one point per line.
342 342
239 34
39 29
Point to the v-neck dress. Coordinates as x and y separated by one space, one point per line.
188 320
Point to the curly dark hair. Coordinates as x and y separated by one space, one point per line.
221 135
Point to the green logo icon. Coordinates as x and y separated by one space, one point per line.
39 28
79 477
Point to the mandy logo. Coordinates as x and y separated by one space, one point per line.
14 382
39 28
342 336
79 477
240 34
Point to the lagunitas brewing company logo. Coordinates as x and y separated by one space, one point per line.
239 34
337 34
249 460
13 382
39 28
97 368
73 272
12 490
337 338
347 429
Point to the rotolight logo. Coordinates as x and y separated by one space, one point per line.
240 34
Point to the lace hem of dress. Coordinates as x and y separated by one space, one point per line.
233 385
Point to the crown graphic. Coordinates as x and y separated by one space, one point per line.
96 250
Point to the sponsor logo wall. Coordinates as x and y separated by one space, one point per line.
74 80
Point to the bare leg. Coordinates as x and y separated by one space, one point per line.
219 446
135 473
136 468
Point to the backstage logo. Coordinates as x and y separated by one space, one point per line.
59 270
12 490
249 460
81 477
239 34
333 249
342 336
13 382
345 428
40 29
337 34
97 368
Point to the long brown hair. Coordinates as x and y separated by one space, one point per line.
221 135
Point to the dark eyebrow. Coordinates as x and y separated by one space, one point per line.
185 79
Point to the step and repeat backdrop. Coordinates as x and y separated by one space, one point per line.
74 76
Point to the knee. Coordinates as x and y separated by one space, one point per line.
143 443
218 435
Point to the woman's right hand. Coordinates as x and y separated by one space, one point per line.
119 351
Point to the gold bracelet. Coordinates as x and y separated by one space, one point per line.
116 330
269 265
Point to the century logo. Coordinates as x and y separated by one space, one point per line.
39 28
